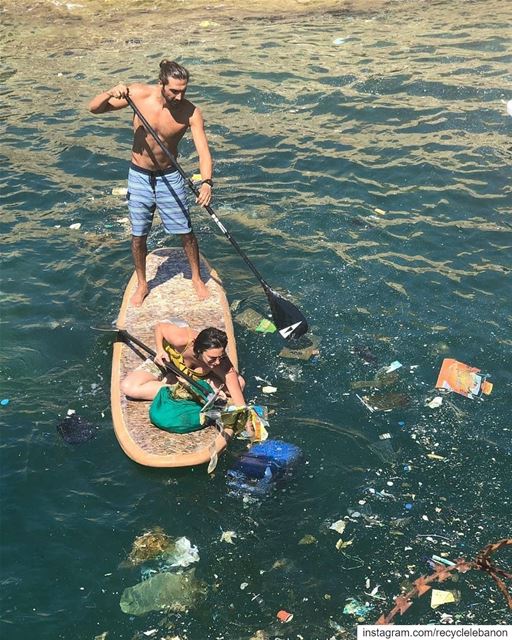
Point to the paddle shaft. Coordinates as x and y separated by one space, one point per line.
195 190
168 365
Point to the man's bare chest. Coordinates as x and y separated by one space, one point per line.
165 124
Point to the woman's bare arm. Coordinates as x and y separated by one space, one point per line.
230 377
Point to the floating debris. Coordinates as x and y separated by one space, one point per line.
157 545
343 544
228 537
265 326
462 379
75 430
214 460
384 449
338 526
119 191
381 381
284 616
171 591
435 456
305 348
435 402
148 546
365 354
357 608
444 561
439 597
393 366
269 389
249 318
385 401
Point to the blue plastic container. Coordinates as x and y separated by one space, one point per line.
258 470
279 457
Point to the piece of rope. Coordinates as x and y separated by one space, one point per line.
441 573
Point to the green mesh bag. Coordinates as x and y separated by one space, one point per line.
177 408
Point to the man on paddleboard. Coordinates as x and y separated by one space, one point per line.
152 180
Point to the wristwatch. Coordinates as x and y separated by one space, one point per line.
208 181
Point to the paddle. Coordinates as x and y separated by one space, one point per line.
289 321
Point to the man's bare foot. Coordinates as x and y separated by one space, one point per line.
140 293
201 289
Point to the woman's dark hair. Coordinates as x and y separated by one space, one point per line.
210 338
170 69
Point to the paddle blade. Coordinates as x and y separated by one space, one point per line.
290 322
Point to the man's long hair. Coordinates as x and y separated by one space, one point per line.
171 69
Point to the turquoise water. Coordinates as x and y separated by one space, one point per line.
315 122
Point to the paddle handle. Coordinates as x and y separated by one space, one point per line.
195 190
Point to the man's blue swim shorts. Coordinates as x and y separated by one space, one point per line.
165 190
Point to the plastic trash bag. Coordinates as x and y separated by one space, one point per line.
385 401
265 326
384 449
249 318
305 348
171 591
180 553
357 608
168 552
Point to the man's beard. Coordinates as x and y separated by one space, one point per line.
170 102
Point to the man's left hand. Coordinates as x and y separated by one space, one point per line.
205 195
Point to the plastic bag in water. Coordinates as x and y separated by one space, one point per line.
172 591
158 546
180 553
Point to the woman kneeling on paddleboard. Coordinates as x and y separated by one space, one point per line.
201 355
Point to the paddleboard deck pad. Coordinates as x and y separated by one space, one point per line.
171 296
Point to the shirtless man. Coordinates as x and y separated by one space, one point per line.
152 181
201 355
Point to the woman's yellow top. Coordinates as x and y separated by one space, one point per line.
176 357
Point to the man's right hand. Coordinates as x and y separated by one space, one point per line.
119 92
106 100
